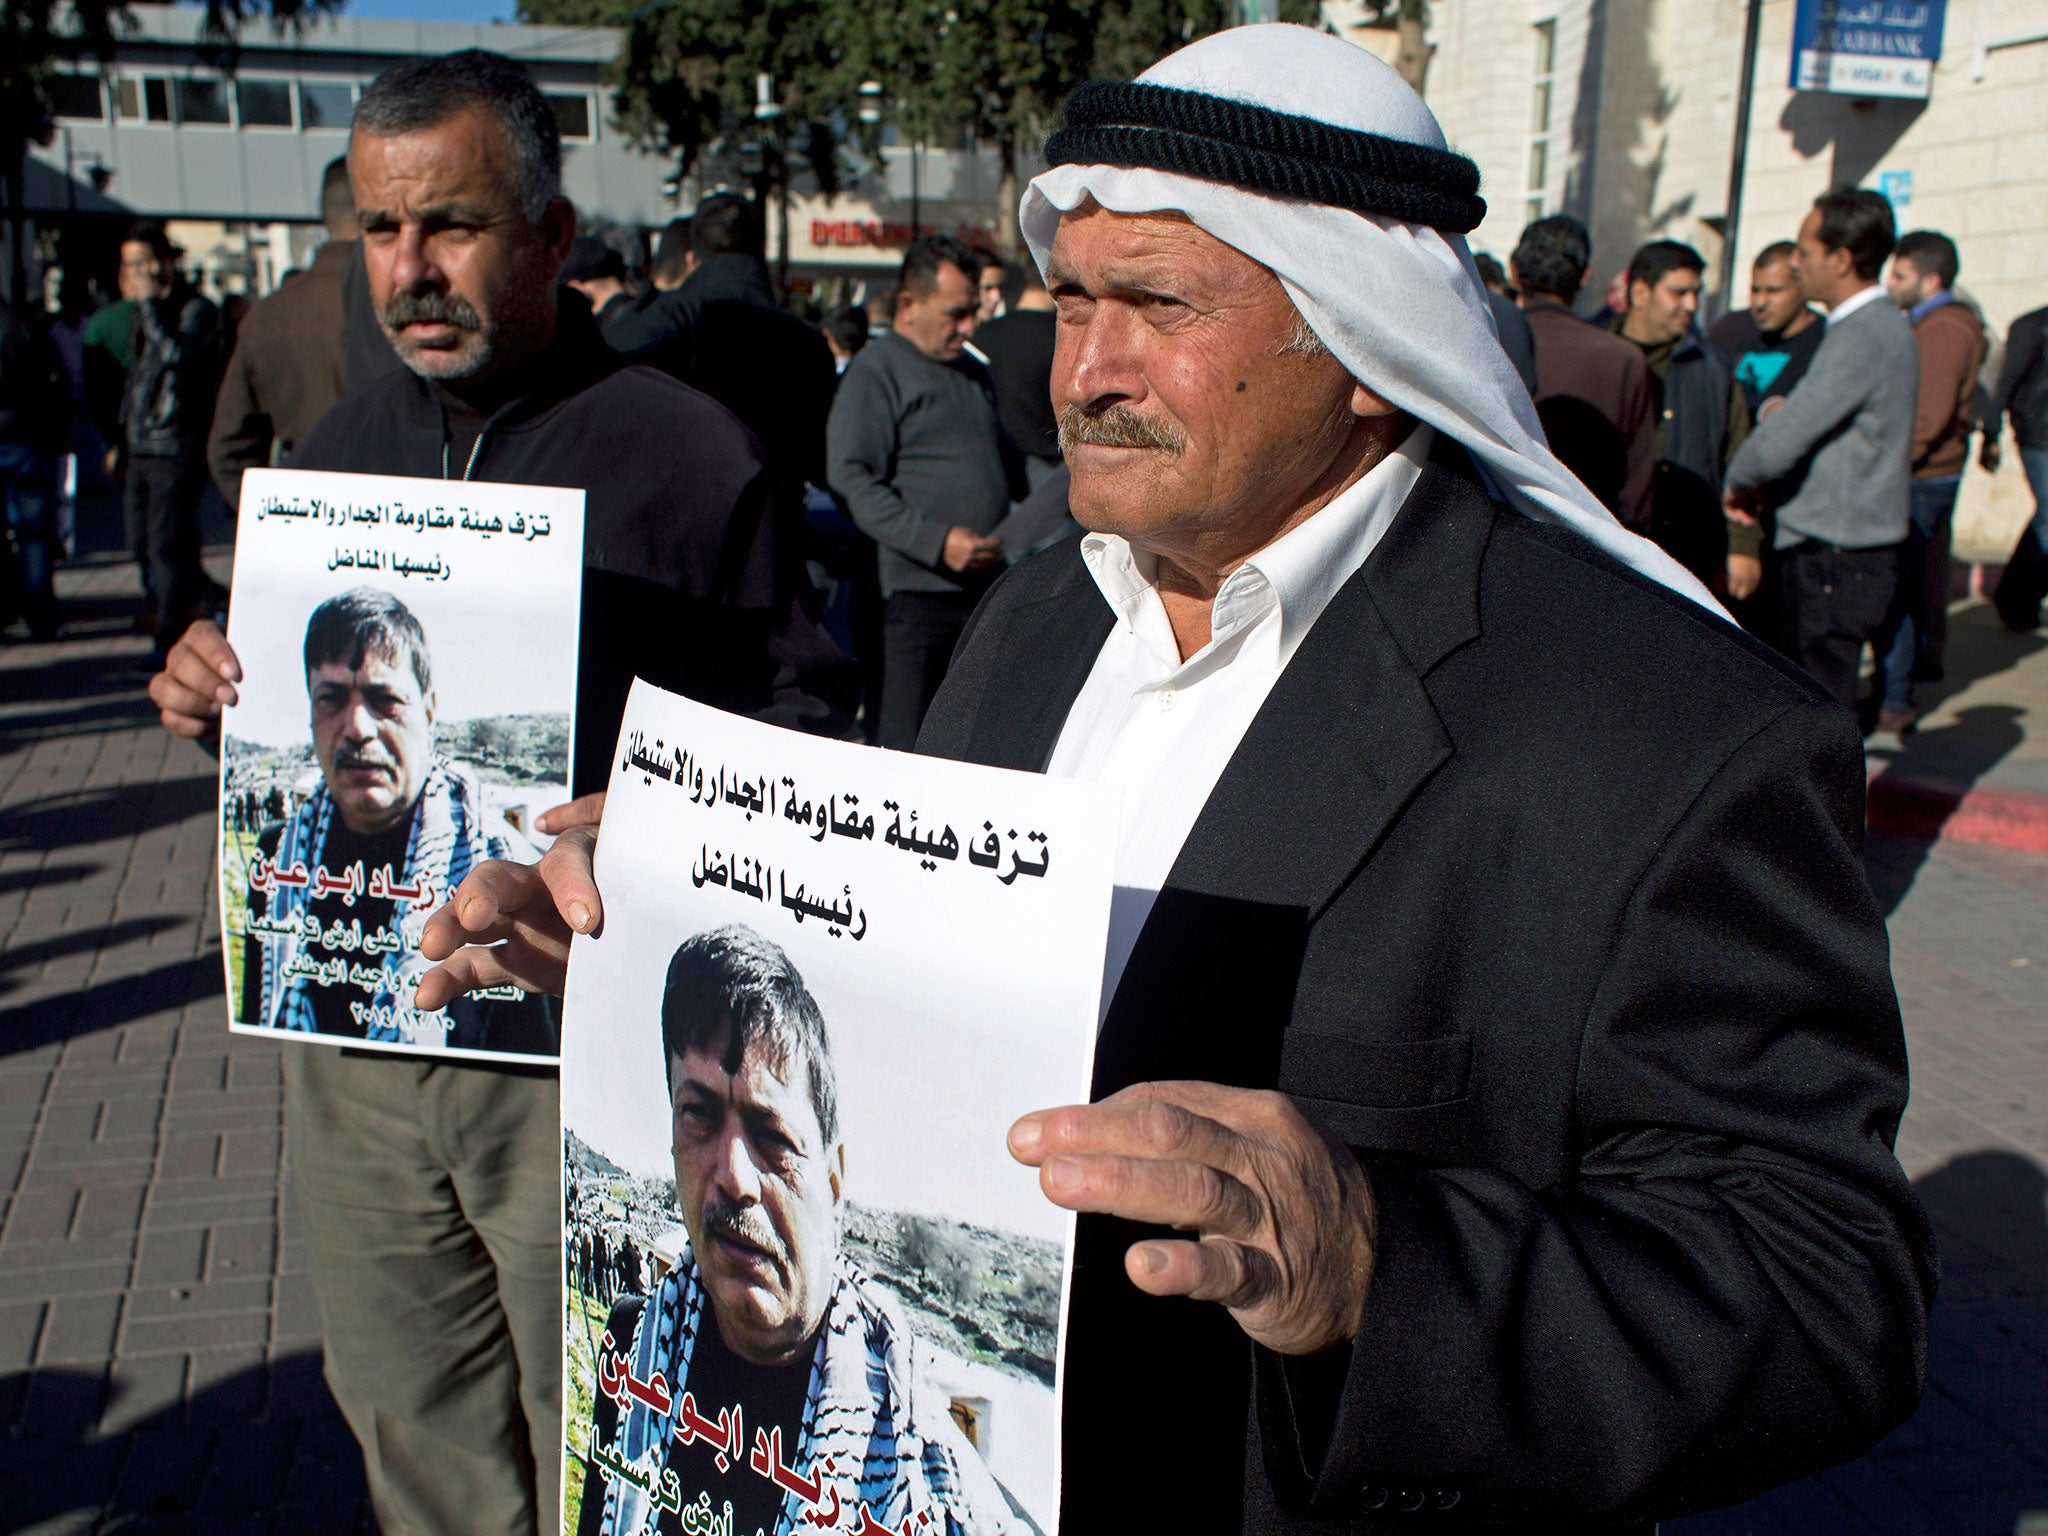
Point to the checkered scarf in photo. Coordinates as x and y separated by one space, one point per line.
447 839
862 1413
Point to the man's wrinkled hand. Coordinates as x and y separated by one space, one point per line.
1282 1216
510 924
199 677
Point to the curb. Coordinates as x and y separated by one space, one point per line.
1928 808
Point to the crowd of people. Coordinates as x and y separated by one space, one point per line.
1444 777
1811 486
892 464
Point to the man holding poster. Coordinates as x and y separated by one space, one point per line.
429 1189
794 1340
1493 1107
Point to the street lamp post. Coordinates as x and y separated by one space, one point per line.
1731 228
768 113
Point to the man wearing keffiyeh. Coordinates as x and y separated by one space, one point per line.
1493 1106
795 1342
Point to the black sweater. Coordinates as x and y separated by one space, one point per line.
678 560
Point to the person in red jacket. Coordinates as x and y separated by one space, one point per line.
1952 347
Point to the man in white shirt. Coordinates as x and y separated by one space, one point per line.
1493 1099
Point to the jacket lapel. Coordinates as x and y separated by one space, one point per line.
1342 744
1052 642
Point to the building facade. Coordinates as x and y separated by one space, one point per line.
1622 112
233 164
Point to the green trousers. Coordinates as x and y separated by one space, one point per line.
430 1194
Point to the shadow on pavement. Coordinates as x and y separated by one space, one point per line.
110 1004
49 874
114 814
261 1451
1979 646
1926 778
1973 1459
70 677
28 956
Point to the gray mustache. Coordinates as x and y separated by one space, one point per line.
358 757
431 309
747 1223
1118 426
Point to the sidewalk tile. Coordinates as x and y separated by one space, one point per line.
80 1329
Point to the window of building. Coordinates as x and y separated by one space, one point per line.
572 116
326 105
203 101
143 98
77 97
1538 180
264 103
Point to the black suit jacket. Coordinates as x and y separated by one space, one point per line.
1540 888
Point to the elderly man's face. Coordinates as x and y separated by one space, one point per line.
760 1195
373 732
463 280
1189 420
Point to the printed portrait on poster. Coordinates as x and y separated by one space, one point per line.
810 1291
406 712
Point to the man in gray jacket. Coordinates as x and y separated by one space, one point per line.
1849 426
915 449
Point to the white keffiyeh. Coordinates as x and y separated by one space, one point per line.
1399 304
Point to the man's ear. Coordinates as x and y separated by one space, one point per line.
431 705
835 1171
557 233
1365 402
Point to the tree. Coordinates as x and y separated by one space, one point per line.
995 70
37 37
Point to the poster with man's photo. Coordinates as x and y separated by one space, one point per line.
810 1291
408 654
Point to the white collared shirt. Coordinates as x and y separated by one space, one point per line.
1856 301
1162 729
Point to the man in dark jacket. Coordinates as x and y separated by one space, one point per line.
35 420
722 331
1701 417
1018 346
1494 1098
2023 396
598 272
1592 389
173 377
429 1190
289 364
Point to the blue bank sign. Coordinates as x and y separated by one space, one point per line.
1866 47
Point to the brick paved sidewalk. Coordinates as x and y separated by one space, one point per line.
159 1351
159 1363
